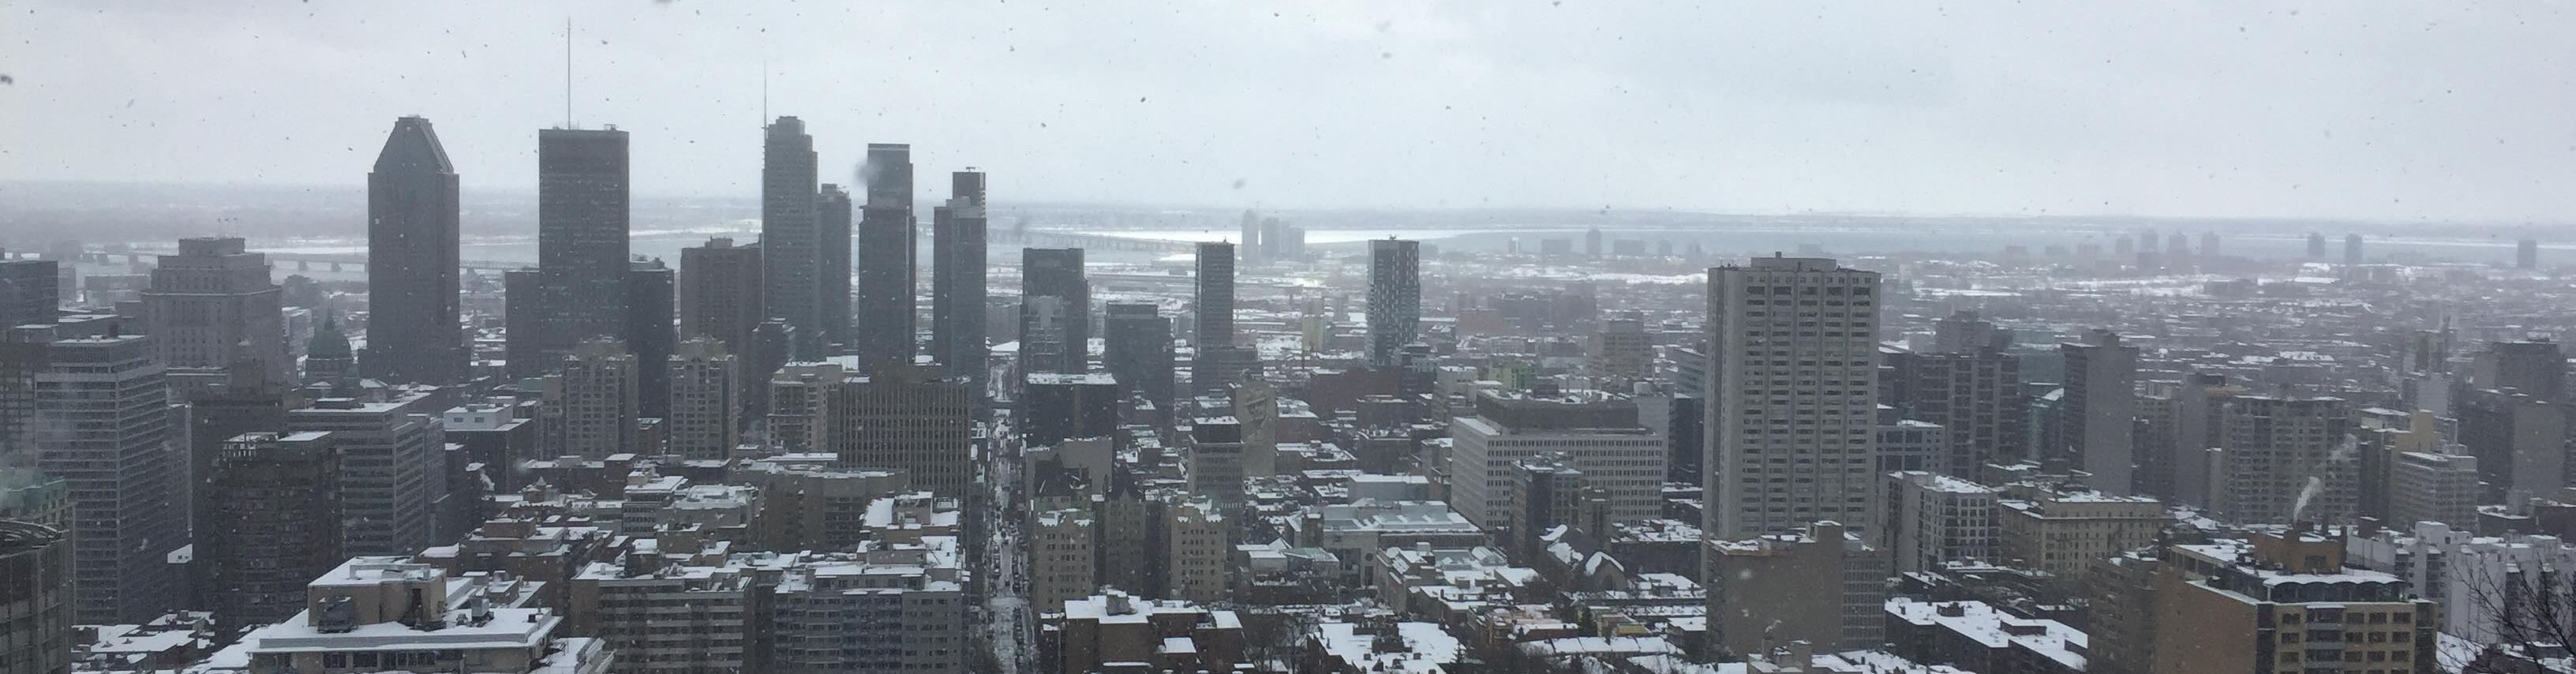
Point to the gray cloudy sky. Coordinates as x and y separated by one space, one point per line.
2382 110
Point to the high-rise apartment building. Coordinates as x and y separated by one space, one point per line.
1137 348
582 265
791 242
2520 441
2352 249
2283 460
212 306
2286 602
1394 299
412 249
591 406
2100 407
274 525
393 467
1055 311
2526 254
105 429
886 250
957 279
1196 552
1622 350
1062 564
1792 396
705 404
2433 487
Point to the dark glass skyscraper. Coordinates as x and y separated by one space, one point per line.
1215 308
1395 297
1055 311
791 248
885 256
1137 347
412 261
30 292
957 279
832 274
651 334
581 244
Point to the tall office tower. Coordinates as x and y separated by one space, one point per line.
886 256
1592 242
393 467
276 518
650 334
2284 460
832 225
957 280
212 306
412 239
2176 433
2096 416
720 293
2531 367
2433 486
2148 240
115 448
2316 246
1215 301
35 575
1137 347
1769 369
2209 245
1963 332
2520 441
581 243
246 400
1595 433
30 292
791 241
591 406
1395 298
802 404
906 417
2526 254
771 343
2178 247
1251 238
1976 398
705 407
1054 408
524 322
1055 311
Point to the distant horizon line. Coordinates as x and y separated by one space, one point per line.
359 189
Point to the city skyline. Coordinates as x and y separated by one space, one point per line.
2278 114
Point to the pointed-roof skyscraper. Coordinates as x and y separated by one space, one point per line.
412 261
791 252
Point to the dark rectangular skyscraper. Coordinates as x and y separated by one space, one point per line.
412 261
1215 306
790 245
1395 297
832 275
2526 254
957 279
650 334
720 293
1055 311
581 243
885 256
1137 347
30 292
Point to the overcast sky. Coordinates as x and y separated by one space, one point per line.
2378 110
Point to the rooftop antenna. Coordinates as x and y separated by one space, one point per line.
764 90
568 72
